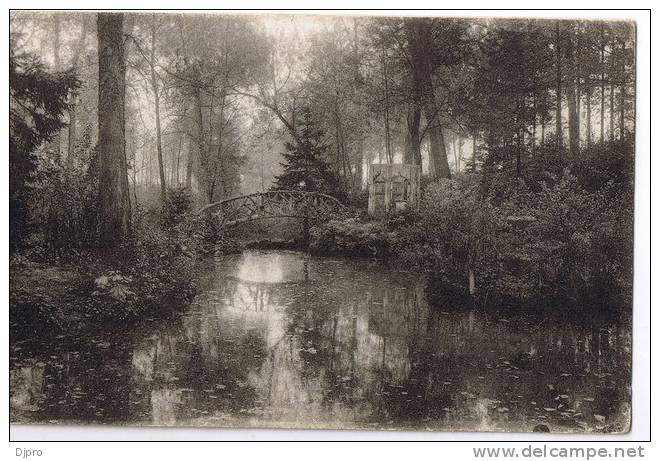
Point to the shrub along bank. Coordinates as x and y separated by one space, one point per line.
561 238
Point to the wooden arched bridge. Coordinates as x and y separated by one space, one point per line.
312 206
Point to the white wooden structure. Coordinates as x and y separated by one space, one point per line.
393 187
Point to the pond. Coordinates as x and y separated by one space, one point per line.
282 339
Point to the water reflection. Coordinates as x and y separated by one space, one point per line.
282 339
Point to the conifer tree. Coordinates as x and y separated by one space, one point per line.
305 166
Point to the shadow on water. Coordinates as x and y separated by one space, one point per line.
278 338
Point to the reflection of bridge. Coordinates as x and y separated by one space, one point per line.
273 204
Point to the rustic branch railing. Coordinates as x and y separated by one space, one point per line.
273 204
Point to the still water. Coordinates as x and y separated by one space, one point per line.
282 339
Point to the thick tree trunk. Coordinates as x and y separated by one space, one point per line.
419 36
114 201
413 153
438 153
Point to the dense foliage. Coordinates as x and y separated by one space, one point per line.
562 241
38 100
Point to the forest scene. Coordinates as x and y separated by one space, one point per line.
286 220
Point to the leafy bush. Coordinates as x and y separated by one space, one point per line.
177 206
351 237
557 244
151 271
62 211
606 164
451 234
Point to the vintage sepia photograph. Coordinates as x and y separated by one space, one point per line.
360 221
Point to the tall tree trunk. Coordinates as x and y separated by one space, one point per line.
460 153
178 160
543 128
533 147
71 138
455 152
573 120
419 36
578 87
339 161
612 110
56 142
588 105
438 163
558 116
413 143
359 151
154 88
622 92
602 83
199 118
113 201
519 148
388 140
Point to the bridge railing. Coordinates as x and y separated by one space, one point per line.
273 204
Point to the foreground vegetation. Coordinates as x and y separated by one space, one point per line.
56 289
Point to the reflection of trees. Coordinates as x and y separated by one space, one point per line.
341 341
344 343
164 405
26 386
84 382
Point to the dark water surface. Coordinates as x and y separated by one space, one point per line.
281 339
